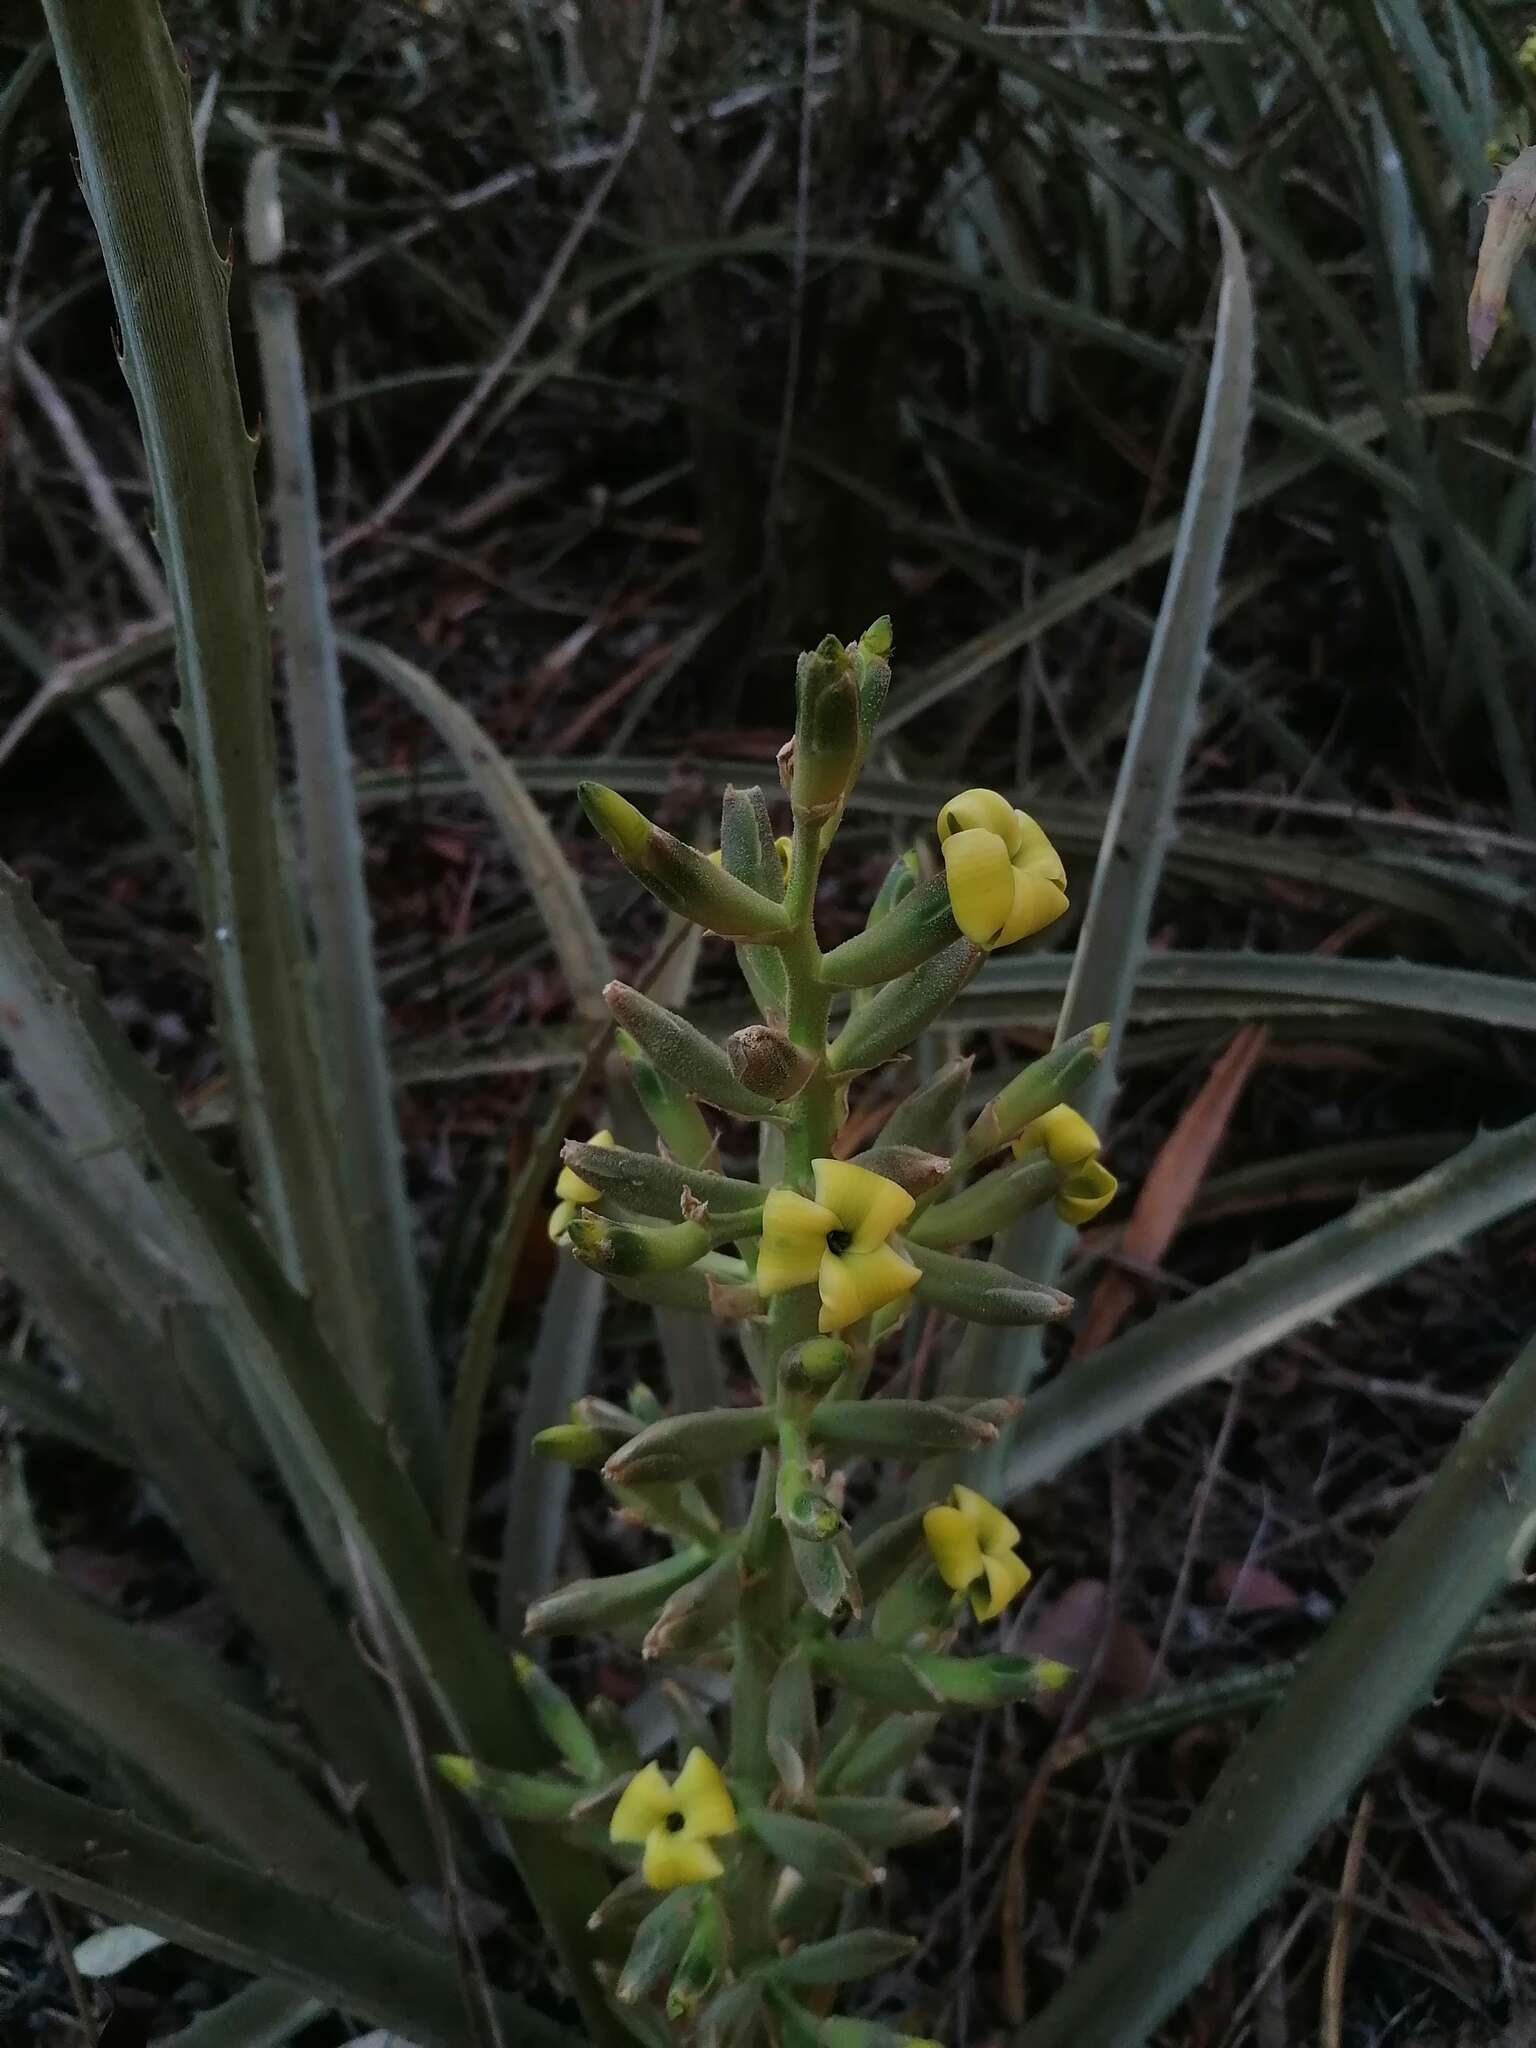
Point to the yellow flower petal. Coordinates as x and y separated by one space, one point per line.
1036 903
794 1239
671 1860
994 1531
867 1205
1067 1138
570 1187
981 884
1086 1193
784 848
1035 853
703 1799
560 1219
952 1543
1007 1576
854 1284
981 809
643 1806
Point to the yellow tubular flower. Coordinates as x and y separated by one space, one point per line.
676 1822
573 1193
1071 1144
1066 1138
975 1547
838 1242
1006 880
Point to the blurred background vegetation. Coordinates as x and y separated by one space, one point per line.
615 411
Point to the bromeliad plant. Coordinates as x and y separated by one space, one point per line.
838 1653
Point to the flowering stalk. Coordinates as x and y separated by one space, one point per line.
736 1865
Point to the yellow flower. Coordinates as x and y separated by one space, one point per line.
838 1241
1006 880
676 1822
573 1193
1071 1144
975 1545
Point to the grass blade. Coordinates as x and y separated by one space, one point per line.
1216 1330
1450 1558
1141 816
335 893
264 2015
553 883
223 1908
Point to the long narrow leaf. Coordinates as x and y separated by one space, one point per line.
1378 1662
222 1908
1261 1304
264 2015
335 893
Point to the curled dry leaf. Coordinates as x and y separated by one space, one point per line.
1507 234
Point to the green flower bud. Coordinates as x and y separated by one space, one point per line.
844 1958
698 1612
684 1054
878 639
881 1824
815 1850
802 1507
903 1009
560 1719
917 1171
677 874
808 1372
925 1118
829 740
516 1794
659 1942
674 1115
685 1446
628 1250
657 1186
996 1681
765 1060
1042 1086
573 1443
989 1205
828 1574
921 925
623 1597
981 1292
791 1731
703 1960
909 1429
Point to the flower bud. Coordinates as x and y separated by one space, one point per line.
828 1574
573 1443
685 1446
909 1166
981 1292
697 1612
817 1851
766 1061
682 1053
623 1597
702 1962
517 1794
811 1370
995 1681
889 1021
989 1205
925 1118
872 669
919 926
677 874
658 1946
674 1115
881 1824
902 1429
802 1506
558 1716
631 1249
828 735
656 1186
1041 1087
